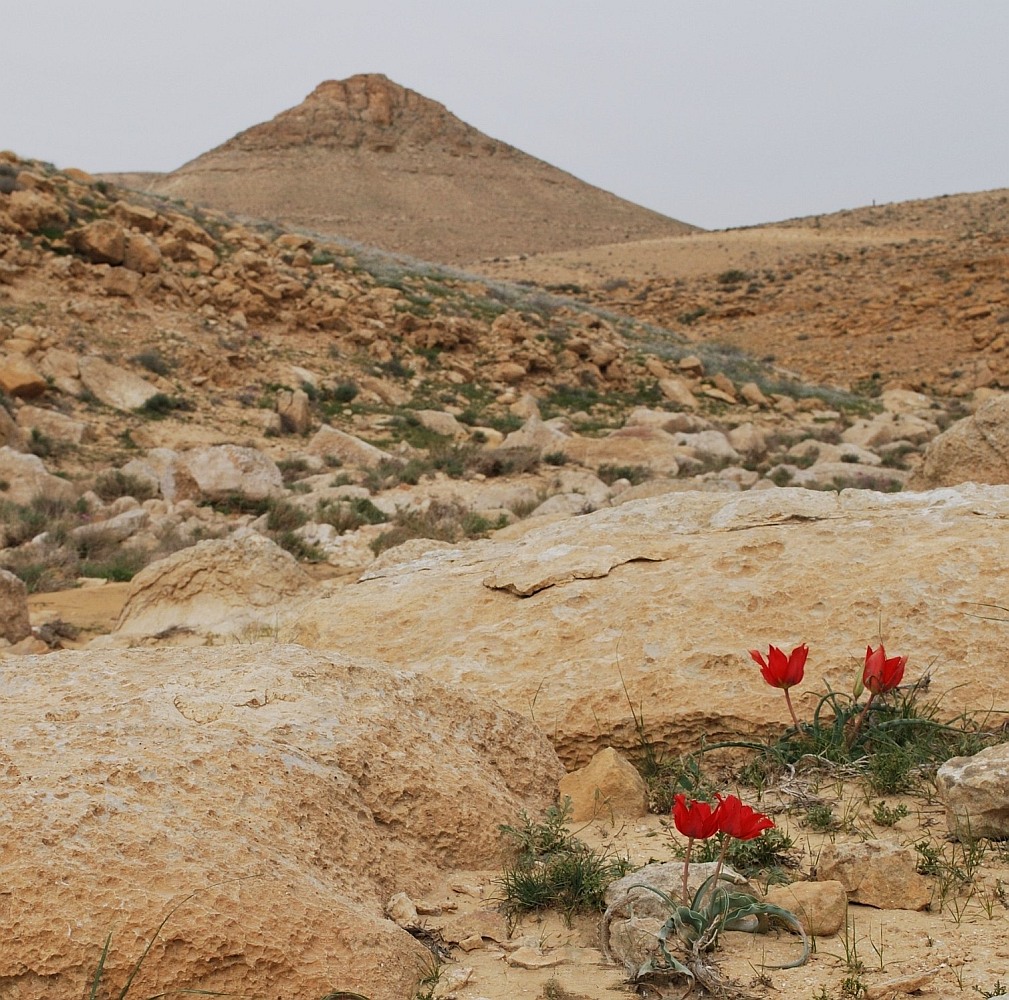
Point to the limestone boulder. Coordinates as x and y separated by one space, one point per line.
142 254
822 906
224 470
265 798
35 210
975 449
53 424
608 787
102 242
20 377
230 586
14 621
975 793
666 594
26 477
113 386
636 444
876 873
294 410
348 449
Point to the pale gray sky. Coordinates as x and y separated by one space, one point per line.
717 112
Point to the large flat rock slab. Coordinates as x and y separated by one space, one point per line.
292 793
664 596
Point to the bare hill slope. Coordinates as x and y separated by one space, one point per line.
912 293
367 159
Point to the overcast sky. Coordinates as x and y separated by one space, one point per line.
717 112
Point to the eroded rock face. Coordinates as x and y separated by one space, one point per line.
14 621
665 595
233 586
292 792
975 449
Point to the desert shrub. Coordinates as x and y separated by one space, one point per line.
160 405
115 483
284 516
634 474
553 869
43 446
349 515
153 361
390 472
299 548
506 461
441 520
292 469
43 567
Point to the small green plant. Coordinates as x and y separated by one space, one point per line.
115 483
884 815
820 817
160 405
153 361
998 990
634 474
553 869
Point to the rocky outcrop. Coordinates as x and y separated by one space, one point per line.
266 799
661 598
235 586
975 449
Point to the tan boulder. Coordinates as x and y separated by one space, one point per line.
294 410
534 433
975 792
822 907
53 424
10 433
678 390
102 242
667 594
62 368
636 444
442 423
267 799
26 477
348 449
121 281
115 387
975 449
14 622
142 255
34 211
231 586
608 787
876 873
225 470
20 377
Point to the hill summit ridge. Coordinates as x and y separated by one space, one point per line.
367 111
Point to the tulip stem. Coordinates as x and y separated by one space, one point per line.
859 721
686 871
721 864
788 702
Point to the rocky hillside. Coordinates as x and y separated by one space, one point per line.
913 295
367 159
172 376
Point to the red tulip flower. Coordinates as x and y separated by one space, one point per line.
696 821
782 671
740 821
882 674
